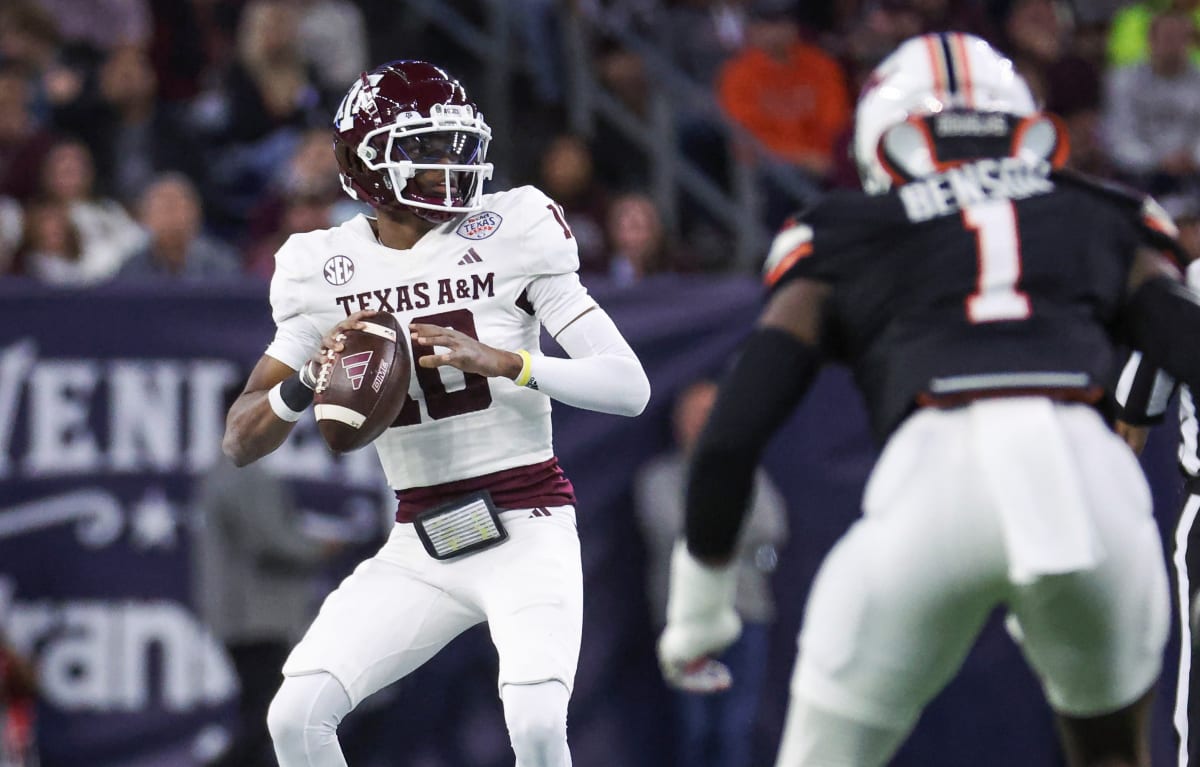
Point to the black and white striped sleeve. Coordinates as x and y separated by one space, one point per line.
1142 392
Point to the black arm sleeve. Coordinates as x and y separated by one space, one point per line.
767 381
1163 321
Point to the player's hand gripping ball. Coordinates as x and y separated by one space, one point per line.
361 389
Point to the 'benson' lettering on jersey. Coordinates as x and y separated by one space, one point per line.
947 192
420 295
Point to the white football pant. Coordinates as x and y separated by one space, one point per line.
1018 502
399 608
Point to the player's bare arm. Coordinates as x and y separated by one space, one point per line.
797 308
465 353
253 427
1134 436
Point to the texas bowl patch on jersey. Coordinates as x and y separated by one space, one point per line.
480 226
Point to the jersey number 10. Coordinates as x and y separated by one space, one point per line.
998 250
440 401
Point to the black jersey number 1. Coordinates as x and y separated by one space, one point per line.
998 253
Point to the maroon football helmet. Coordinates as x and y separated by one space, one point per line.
399 122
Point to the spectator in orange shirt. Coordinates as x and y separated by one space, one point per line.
792 97
789 94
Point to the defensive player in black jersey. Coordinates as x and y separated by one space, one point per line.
978 294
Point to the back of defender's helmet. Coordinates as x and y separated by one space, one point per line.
926 75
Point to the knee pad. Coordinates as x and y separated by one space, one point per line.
304 717
536 715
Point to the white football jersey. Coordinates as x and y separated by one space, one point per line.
497 275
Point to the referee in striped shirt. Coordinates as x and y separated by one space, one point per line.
1142 397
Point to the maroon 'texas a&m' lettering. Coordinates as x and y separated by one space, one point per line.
421 295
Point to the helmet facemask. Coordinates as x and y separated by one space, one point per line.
408 138
434 165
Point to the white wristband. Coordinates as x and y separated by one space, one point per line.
279 407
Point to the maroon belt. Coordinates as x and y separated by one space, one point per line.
521 487
1088 395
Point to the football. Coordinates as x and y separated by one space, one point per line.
361 389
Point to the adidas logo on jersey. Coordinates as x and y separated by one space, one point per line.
471 257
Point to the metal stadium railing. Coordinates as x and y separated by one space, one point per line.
673 176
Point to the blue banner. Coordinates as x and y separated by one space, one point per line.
111 407
111 404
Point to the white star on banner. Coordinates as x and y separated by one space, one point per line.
154 521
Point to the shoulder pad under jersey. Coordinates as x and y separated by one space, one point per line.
1152 222
834 221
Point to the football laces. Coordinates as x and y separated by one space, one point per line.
325 372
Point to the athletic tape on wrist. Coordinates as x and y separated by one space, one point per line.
308 374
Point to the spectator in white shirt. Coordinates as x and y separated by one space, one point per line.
1152 118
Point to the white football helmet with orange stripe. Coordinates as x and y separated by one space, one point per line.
926 75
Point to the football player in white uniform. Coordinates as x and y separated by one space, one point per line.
474 277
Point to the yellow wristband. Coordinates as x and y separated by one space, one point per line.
526 373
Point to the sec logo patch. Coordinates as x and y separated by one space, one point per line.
339 270
480 226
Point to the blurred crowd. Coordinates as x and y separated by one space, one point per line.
189 138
